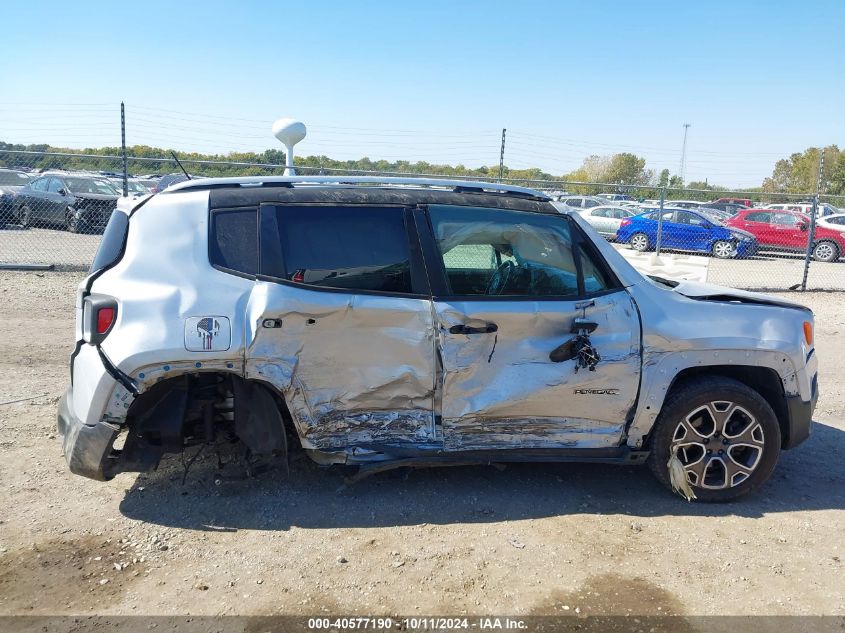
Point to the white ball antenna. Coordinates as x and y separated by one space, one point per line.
289 132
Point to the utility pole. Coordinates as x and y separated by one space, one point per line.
684 153
123 148
811 238
502 156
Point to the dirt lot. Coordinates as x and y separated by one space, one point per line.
532 539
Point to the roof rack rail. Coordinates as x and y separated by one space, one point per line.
472 186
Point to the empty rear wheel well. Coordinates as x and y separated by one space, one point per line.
763 380
203 408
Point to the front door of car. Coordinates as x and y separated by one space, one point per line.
342 323
56 201
512 291
787 229
691 231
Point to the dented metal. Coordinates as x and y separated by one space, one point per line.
372 378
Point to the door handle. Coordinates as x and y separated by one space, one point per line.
467 329
580 323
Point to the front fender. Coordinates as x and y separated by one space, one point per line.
661 368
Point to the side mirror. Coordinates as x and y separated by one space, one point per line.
804 226
62 191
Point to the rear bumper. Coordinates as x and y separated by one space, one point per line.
800 422
86 448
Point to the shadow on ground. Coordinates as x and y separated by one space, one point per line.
810 477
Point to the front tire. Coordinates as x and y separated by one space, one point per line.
724 433
724 249
73 222
825 252
639 242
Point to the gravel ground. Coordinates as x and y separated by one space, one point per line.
531 539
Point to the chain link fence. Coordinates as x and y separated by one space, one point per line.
54 206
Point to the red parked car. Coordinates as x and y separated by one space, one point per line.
789 231
743 202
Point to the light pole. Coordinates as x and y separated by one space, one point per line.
684 153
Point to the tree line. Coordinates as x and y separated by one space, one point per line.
625 172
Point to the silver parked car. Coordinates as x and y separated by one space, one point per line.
606 220
389 322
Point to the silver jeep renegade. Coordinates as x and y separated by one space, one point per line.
407 322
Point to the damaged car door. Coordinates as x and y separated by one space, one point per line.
343 326
539 343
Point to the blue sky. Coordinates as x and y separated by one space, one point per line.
435 80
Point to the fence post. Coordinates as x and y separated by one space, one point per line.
660 221
811 236
123 149
502 156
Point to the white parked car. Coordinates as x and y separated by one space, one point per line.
835 222
400 322
606 220
583 202
806 208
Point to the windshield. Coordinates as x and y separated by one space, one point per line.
89 185
13 178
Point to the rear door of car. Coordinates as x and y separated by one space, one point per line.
599 220
36 199
508 287
341 319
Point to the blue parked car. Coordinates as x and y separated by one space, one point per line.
686 230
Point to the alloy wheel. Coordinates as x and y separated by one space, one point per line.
639 242
719 445
824 251
724 249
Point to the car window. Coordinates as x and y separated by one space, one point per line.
13 178
233 243
784 219
759 216
591 203
54 185
349 248
599 213
667 216
111 246
514 253
40 184
573 202
685 217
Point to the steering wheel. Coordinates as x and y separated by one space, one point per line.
500 278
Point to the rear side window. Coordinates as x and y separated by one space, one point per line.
349 248
234 240
111 246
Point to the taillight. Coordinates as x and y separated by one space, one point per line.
299 276
99 314
808 332
625 222
105 318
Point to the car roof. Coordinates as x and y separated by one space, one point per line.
457 186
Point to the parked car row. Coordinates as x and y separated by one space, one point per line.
723 228
80 202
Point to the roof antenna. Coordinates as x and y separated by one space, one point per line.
187 175
289 132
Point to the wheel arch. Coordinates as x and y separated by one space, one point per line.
764 380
